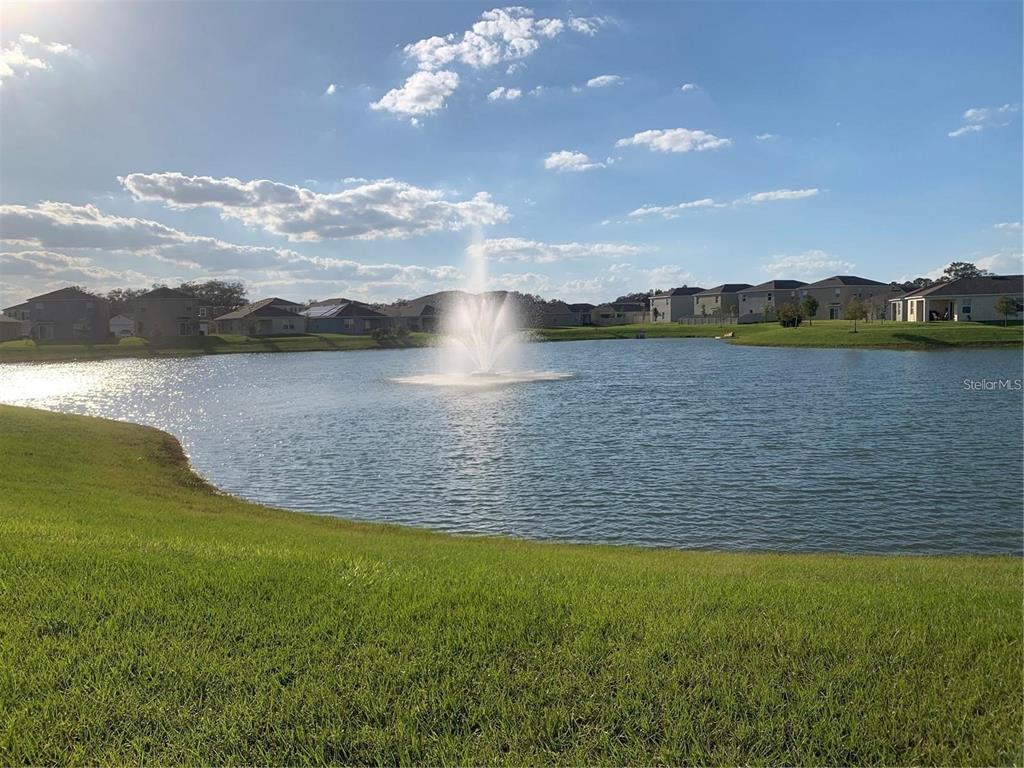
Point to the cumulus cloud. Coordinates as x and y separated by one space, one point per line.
675 140
779 194
28 53
813 263
1012 226
603 81
385 208
978 119
501 93
52 266
500 36
517 249
568 160
422 94
688 87
587 26
332 89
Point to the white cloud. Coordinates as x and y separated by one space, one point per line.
517 249
501 35
779 194
422 94
52 266
688 87
766 136
27 54
1013 226
332 89
675 140
587 26
978 119
501 93
672 211
603 81
568 160
385 208
813 263
1002 262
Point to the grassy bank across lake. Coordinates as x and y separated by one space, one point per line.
822 333
146 618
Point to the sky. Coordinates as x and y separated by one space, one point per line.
580 150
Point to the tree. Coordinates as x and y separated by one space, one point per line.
122 299
961 269
789 315
855 311
225 295
810 307
1006 306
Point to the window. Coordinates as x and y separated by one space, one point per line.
39 305
769 297
835 291
202 311
347 322
966 309
716 299
743 298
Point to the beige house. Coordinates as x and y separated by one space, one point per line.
619 313
268 317
761 302
166 312
721 300
671 306
121 326
834 293
965 300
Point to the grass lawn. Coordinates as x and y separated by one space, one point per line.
823 333
146 618
27 351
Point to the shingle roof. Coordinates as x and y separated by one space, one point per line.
775 285
838 281
991 285
5 319
348 309
724 288
263 308
683 291
166 293
66 294
581 307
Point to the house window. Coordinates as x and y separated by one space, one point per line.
967 309
202 311
39 305
347 322
835 291
716 299
743 298
769 297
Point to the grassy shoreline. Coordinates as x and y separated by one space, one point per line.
824 334
147 618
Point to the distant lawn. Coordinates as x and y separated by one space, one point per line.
27 351
822 333
146 619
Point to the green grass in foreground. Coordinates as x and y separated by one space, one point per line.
29 351
822 333
145 618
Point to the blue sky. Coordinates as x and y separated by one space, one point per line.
584 149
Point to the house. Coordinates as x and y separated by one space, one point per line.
166 312
721 300
343 316
10 328
557 314
761 302
413 316
268 317
581 312
834 293
619 313
122 325
68 314
671 306
964 300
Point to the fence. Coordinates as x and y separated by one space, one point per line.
707 321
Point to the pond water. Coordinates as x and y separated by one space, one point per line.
683 443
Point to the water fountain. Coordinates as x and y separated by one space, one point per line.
481 335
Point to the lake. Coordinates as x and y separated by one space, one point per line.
686 443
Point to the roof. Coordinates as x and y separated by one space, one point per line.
327 302
683 291
775 285
348 309
989 285
5 319
838 281
581 307
122 317
23 305
166 293
259 309
66 294
724 288
625 306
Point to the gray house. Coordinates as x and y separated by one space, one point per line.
343 316
761 302
965 300
834 293
619 313
581 312
671 306
68 314
721 300
166 312
10 328
268 317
